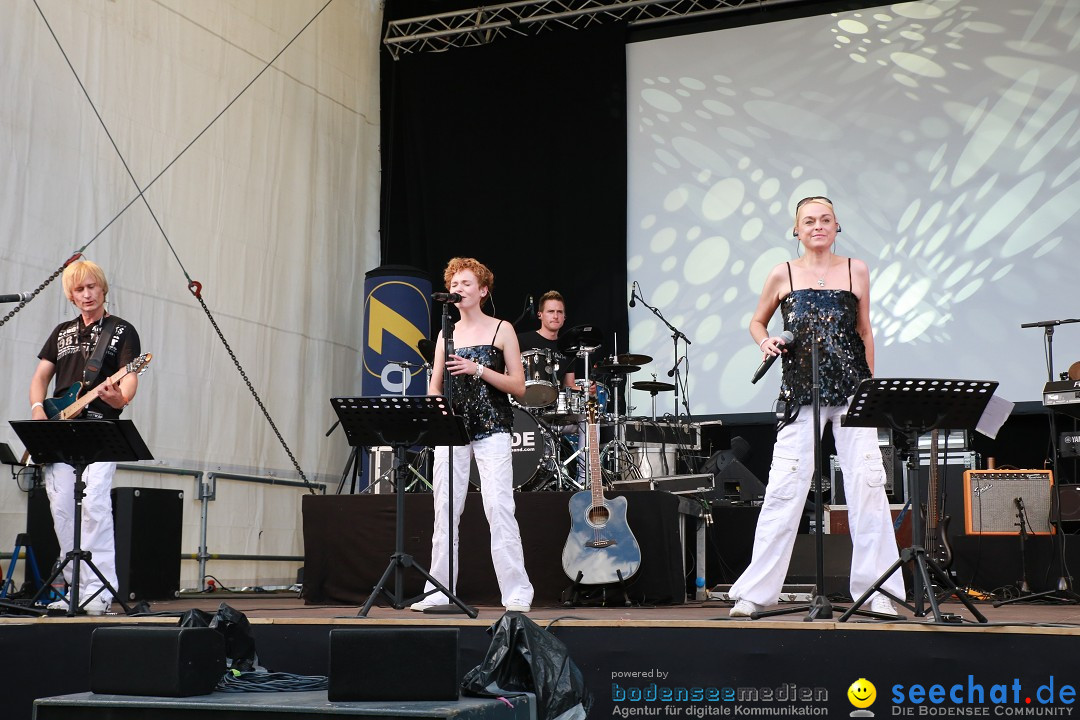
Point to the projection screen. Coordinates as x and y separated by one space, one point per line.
947 135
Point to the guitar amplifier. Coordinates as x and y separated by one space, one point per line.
992 501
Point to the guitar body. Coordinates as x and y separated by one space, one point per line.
55 406
600 549
942 552
70 405
601 545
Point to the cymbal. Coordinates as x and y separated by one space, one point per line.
618 369
631 359
578 338
652 386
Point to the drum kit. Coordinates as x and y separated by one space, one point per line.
548 418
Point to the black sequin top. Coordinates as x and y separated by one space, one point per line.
841 353
486 410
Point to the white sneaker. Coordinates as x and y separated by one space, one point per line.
422 605
58 605
744 608
518 607
98 606
883 605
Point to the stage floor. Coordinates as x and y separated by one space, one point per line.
629 654
277 607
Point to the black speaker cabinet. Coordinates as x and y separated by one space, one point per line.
160 661
148 524
393 664
992 501
39 526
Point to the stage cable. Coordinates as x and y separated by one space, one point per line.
194 287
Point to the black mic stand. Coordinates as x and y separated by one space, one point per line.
676 334
820 607
1064 591
448 393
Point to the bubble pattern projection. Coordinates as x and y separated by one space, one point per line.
946 132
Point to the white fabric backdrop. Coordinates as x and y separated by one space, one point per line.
274 210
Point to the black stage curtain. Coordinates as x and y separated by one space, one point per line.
349 539
515 154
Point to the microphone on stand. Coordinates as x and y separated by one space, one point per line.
633 287
763 368
16 297
671 372
446 297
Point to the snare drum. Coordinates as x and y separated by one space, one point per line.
541 383
533 453
572 405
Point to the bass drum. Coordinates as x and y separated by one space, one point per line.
534 457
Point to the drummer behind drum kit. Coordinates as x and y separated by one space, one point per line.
547 416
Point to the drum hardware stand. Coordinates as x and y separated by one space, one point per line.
401 422
80 443
914 407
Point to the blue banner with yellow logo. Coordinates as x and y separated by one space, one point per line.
397 316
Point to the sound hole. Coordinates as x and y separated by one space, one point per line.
598 515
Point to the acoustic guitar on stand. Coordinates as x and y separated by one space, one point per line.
70 405
601 548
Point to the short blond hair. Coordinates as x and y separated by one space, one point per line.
76 274
812 199
552 295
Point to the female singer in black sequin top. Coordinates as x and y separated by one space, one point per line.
484 369
828 293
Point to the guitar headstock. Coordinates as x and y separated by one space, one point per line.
140 364
591 410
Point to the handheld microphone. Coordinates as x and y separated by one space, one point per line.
633 303
763 368
16 297
446 297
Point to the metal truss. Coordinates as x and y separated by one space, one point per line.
485 24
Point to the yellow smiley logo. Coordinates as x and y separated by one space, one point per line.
862 693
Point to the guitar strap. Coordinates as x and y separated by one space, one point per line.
93 366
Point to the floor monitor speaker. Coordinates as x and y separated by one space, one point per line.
393 664
159 661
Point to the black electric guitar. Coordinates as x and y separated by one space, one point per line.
69 404
938 548
601 549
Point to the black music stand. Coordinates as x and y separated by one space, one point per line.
401 422
79 443
913 407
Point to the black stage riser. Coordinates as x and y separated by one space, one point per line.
718 655
348 540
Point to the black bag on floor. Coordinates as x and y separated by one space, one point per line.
523 657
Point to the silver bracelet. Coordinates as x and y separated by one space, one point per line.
479 371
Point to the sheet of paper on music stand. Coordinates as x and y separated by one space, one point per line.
994 416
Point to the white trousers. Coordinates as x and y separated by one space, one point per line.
493 460
97 522
873 539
